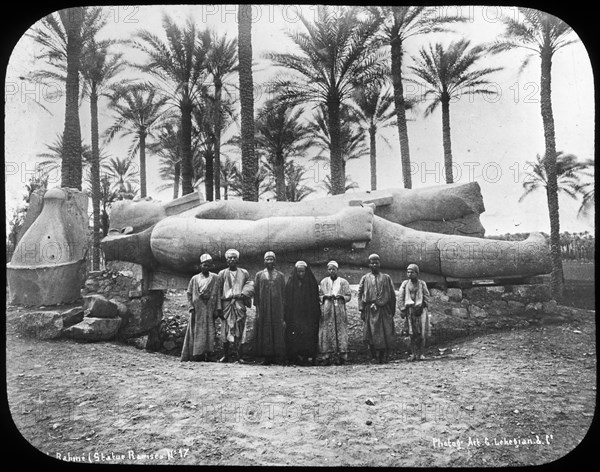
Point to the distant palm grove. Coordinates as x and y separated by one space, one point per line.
186 104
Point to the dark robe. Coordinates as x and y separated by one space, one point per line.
202 296
302 314
269 297
377 290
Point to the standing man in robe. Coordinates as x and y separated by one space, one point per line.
334 293
234 296
377 306
269 300
302 314
202 294
413 298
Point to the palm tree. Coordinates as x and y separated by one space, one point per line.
447 73
62 37
569 171
374 107
260 181
228 170
166 146
587 202
139 114
294 188
97 69
351 139
221 61
280 136
349 184
123 175
209 123
543 35
179 64
337 53
250 168
397 25
54 155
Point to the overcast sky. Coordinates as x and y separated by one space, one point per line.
492 138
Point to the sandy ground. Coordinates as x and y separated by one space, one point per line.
509 398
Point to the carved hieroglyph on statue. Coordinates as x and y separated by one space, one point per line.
437 228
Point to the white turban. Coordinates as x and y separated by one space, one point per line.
301 264
232 252
269 253
332 263
205 257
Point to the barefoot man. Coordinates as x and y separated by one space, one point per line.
235 295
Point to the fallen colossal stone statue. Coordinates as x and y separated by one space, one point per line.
437 228
48 264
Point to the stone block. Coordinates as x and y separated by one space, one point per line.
528 293
439 294
477 311
515 308
550 307
38 286
454 294
533 308
122 310
483 295
72 316
497 308
97 306
460 312
40 324
94 329
145 313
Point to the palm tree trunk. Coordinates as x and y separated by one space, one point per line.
95 177
209 178
336 164
249 157
142 164
446 137
396 46
373 156
105 221
187 168
218 126
279 169
556 277
72 19
177 173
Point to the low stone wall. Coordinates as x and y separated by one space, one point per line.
458 312
116 308
454 312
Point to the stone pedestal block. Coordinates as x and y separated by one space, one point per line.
41 324
94 329
145 313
